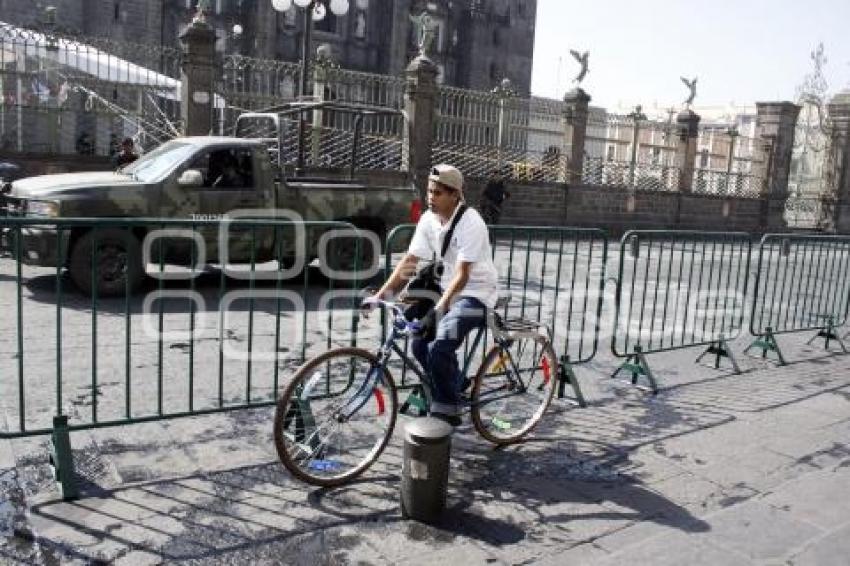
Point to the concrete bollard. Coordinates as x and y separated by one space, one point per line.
425 469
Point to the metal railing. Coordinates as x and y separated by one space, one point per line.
810 211
555 276
194 341
722 148
211 333
252 83
802 284
641 176
722 183
678 290
345 85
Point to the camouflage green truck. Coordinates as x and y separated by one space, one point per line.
193 178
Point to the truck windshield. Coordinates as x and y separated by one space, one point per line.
155 165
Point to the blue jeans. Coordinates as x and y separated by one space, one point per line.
439 358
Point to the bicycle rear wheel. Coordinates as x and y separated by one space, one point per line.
335 417
513 388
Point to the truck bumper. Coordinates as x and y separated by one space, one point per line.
39 245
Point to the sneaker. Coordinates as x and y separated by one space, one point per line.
453 420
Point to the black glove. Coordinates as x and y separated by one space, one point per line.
426 327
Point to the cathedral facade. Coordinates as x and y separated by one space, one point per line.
477 43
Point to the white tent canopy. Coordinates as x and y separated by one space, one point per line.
15 41
82 57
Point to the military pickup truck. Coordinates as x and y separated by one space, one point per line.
193 178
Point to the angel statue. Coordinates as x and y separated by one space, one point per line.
582 59
201 11
692 86
426 28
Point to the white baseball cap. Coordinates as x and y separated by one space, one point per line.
447 175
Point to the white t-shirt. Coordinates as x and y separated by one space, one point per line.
470 242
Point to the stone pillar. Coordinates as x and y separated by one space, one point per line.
775 125
197 77
776 122
686 151
420 97
576 105
837 175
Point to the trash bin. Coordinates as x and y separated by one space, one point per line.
425 469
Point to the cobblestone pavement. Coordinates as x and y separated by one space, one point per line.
717 469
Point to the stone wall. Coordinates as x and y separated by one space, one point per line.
617 210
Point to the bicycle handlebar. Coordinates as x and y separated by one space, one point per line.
398 315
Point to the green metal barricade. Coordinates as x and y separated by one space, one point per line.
802 284
555 275
223 316
678 289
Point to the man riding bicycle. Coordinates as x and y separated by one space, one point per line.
468 285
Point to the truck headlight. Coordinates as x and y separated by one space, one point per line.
42 208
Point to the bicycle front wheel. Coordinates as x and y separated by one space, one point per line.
513 388
335 417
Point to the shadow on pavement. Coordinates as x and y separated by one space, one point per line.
497 497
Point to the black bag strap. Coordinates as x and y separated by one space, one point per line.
451 231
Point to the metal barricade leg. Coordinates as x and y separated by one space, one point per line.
566 375
637 365
416 399
720 349
62 458
828 334
767 342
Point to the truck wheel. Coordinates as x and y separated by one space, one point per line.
118 261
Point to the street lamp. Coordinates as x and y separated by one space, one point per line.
314 10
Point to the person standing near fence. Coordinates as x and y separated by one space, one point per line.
492 198
127 154
468 283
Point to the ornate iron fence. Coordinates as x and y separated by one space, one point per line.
643 176
251 84
630 151
79 95
497 133
735 184
728 163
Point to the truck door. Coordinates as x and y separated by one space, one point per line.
229 186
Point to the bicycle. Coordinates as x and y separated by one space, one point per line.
337 414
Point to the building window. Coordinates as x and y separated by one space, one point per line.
494 71
116 11
496 41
